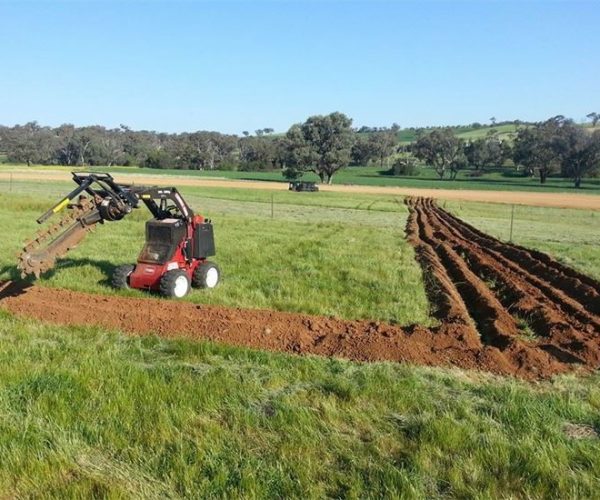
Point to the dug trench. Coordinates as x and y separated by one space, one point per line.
501 308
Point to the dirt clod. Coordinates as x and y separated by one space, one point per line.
580 431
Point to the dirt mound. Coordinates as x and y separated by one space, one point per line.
278 331
531 314
502 308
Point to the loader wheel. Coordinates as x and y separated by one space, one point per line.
120 277
175 284
206 275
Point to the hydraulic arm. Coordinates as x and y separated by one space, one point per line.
97 198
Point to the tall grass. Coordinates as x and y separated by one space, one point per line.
88 413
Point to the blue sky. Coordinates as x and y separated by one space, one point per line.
234 66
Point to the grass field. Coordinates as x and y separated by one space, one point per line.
406 136
506 180
90 413
87 412
315 249
504 131
331 261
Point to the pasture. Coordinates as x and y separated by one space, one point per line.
183 418
506 179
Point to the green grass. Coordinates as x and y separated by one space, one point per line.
406 136
504 180
323 253
504 132
330 261
86 412
89 413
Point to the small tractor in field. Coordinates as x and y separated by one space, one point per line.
178 242
300 186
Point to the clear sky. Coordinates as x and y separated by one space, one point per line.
234 66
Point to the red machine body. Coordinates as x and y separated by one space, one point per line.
174 256
149 269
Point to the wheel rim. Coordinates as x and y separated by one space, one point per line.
181 286
127 278
212 277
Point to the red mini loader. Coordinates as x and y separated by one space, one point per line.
178 243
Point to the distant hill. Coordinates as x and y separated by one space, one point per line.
467 132
505 130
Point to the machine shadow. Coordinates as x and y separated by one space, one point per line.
14 285
106 267
12 272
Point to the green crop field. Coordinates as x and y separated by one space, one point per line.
504 180
94 413
505 131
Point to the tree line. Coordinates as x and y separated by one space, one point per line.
323 144
557 146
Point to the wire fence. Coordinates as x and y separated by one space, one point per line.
274 206
512 223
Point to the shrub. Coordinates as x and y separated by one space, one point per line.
405 164
158 159
228 166
291 173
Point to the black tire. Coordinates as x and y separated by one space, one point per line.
203 276
120 277
171 284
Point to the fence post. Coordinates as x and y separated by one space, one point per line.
512 218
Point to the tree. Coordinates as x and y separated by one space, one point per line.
383 143
158 158
4 138
442 150
29 143
544 146
137 145
292 172
594 117
405 164
458 163
258 153
322 144
362 151
584 156
210 149
486 152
